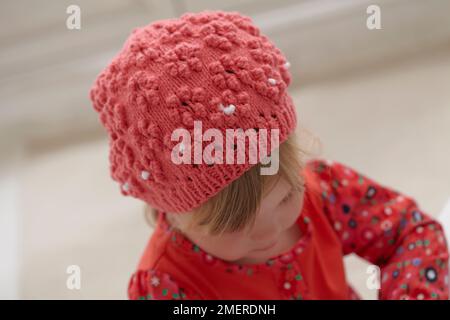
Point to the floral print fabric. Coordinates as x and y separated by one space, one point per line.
378 223
388 229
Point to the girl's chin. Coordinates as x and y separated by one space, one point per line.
257 257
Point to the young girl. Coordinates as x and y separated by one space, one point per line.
224 230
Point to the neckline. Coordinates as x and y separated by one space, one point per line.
181 242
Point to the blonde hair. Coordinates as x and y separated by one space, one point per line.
235 207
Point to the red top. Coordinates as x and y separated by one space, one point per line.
344 212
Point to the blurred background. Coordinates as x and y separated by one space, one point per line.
379 100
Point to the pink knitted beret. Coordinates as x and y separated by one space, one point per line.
173 72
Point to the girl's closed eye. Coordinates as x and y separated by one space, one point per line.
287 198
290 195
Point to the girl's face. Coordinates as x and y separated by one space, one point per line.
266 238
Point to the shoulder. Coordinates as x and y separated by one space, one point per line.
333 175
319 171
324 177
327 169
154 284
151 281
158 276
165 280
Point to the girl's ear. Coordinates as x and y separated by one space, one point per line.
150 215
178 220
172 219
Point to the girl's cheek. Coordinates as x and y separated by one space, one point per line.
299 201
295 209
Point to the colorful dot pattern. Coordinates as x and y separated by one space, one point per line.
377 223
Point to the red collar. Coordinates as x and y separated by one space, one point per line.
187 247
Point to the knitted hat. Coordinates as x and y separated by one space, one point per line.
215 67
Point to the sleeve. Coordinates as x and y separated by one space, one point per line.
387 229
154 284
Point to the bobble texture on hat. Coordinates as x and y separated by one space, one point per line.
212 66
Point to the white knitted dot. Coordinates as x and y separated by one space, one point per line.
126 187
287 65
287 285
145 175
228 109
272 81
